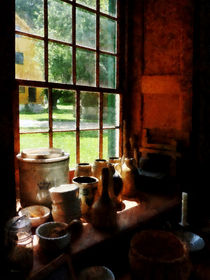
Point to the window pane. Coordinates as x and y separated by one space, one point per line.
60 20
107 71
109 7
110 143
60 63
89 146
85 28
89 110
88 3
32 59
19 58
67 142
33 108
30 16
111 114
86 67
34 140
108 34
64 117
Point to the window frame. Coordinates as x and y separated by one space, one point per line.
78 88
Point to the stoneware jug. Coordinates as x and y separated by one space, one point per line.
129 175
103 214
115 187
98 165
116 162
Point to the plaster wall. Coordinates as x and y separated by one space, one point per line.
161 68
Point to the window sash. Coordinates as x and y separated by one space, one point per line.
74 86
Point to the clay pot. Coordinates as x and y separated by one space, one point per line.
87 192
83 169
65 203
156 254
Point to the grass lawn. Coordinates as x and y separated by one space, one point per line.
89 140
62 112
89 146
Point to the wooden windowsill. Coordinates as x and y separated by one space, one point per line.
135 213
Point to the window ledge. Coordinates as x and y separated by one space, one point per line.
135 213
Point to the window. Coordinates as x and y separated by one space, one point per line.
19 58
21 89
31 94
71 65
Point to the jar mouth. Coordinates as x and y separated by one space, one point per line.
98 160
85 179
83 164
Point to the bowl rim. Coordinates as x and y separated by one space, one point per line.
51 238
38 217
153 233
100 267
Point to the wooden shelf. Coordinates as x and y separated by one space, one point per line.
136 212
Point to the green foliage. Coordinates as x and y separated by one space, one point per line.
60 28
59 20
67 97
60 63
89 3
31 11
89 99
85 67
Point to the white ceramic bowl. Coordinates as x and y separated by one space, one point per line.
95 273
193 241
48 241
37 214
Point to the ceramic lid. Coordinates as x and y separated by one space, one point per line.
42 155
18 223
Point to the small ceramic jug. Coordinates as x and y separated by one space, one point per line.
115 187
98 165
129 177
83 169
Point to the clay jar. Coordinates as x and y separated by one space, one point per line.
87 192
129 175
65 203
83 169
98 165
116 162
